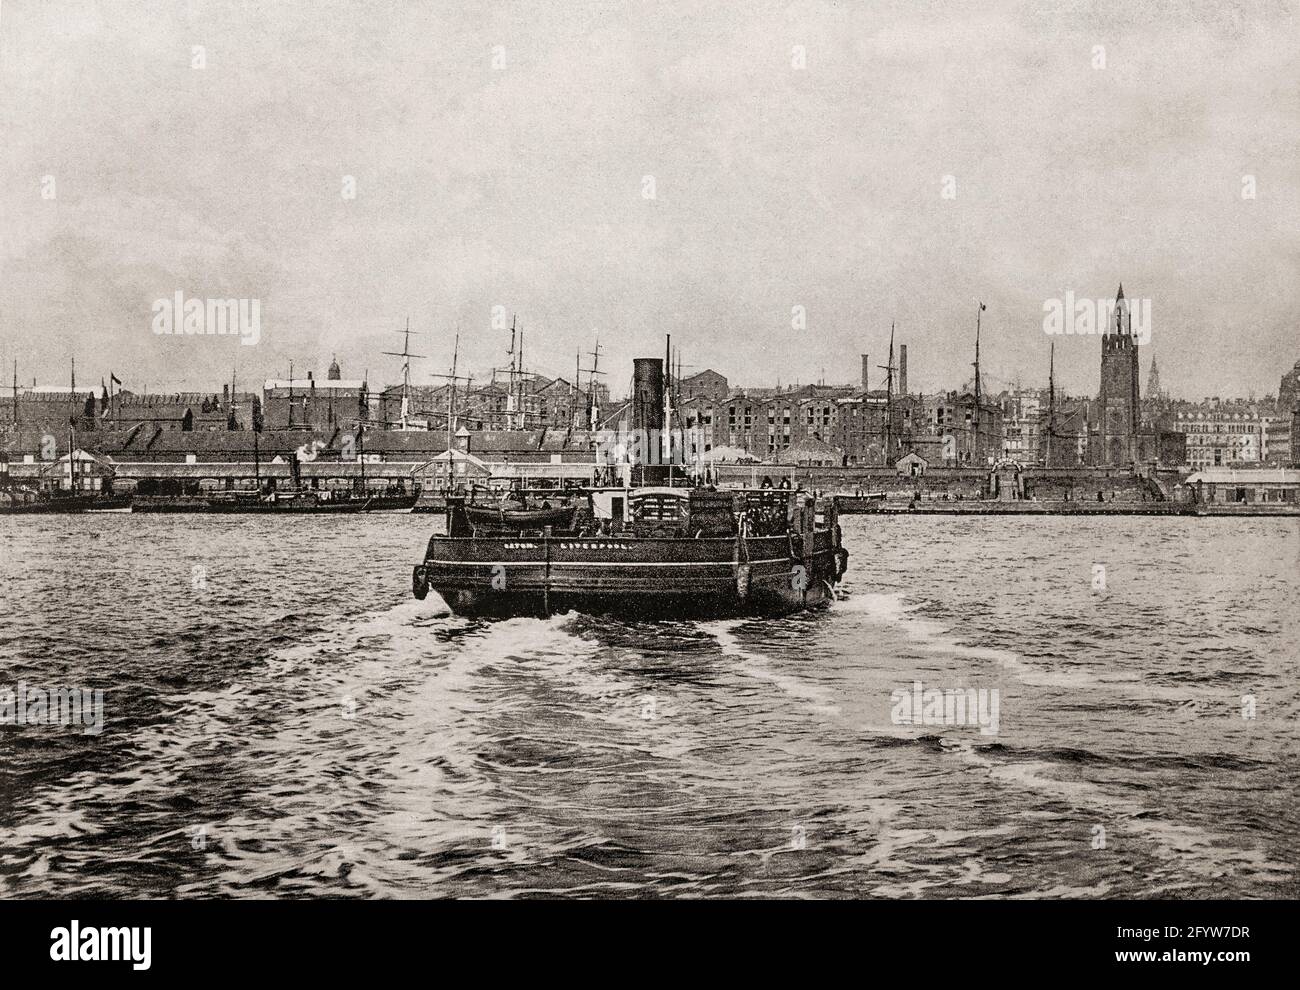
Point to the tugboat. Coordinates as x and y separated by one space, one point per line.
642 551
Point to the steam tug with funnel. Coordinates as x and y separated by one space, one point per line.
643 548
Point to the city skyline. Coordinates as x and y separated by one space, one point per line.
303 371
800 157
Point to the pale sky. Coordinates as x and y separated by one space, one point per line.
521 185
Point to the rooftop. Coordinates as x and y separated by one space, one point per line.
1246 476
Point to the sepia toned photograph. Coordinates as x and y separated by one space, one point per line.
619 451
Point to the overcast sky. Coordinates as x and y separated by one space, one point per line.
499 156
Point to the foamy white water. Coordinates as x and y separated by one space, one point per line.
301 726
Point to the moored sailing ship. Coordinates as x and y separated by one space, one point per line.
60 503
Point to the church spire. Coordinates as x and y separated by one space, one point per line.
1121 310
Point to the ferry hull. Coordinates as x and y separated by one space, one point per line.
631 578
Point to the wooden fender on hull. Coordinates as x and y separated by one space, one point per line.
841 555
419 585
841 563
742 580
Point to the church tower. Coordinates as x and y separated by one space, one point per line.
1153 380
334 374
1118 401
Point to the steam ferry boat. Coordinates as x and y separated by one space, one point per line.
645 550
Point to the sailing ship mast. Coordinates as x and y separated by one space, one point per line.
593 411
523 415
361 452
510 390
452 379
515 406
361 434
1051 401
451 398
666 437
514 390
979 401
406 355
889 396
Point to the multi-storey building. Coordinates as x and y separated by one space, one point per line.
953 429
860 428
1220 434
312 404
788 416
1288 393
48 408
707 384
1022 411
560 403
1276 448
699 417
762 423
1295 437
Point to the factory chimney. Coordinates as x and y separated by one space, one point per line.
902 369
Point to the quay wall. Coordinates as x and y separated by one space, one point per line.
1043 484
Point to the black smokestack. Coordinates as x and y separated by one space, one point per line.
866 370
648 419
648 394
902 369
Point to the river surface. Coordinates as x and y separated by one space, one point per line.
283 719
